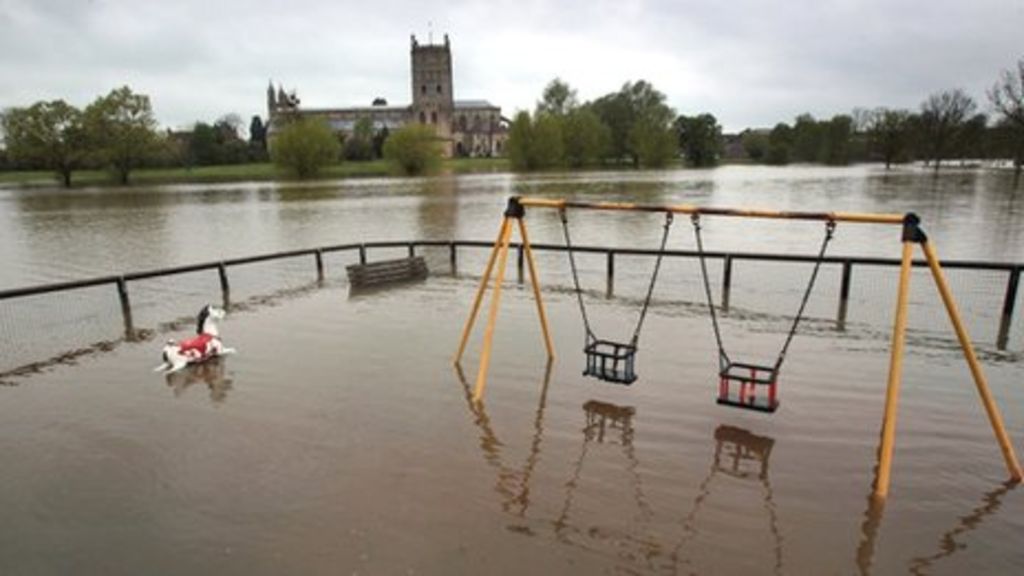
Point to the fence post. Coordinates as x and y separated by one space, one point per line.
844 295
319 265
452 257
519 263
1008 304
225 288
726 280
126 308
412 249
611 273
362 253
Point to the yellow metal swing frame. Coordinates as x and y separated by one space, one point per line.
912 234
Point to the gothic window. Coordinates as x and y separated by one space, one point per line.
423 118
462 122
423 89
438 88
433 117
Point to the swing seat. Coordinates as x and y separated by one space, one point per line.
610 361
748 378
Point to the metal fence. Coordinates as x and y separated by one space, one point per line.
858 278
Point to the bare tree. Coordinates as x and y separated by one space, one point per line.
943 116
1007 97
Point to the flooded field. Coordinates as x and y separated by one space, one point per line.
341 440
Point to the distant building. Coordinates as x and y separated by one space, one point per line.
466 127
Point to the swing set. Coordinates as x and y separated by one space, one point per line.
614 361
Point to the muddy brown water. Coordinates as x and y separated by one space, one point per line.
341 439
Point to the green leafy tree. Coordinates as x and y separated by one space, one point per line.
558 99
121 131
807 139
586 139
700 138
943 116
836 139
304 146
48 135
755 144
1007 97
780 144
535 143
359 144
414 149
635 103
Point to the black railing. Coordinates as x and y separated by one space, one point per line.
121 282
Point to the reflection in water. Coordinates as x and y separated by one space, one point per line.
735 448
513 484
630 545
948 545
210 372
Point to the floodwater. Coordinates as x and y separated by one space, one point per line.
342 440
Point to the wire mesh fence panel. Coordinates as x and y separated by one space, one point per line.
43 327
979 297
156 301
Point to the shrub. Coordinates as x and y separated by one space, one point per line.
413 149
305 146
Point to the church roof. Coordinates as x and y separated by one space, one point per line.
473 104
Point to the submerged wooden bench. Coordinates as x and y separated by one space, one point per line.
387 272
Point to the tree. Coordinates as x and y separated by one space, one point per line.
121 131
558 99
535 143
586 139
1007 97
780 144
637 102
807 139
47 135
835 140
700 138
359 144
942 118
414 149
889 134
304 146
755 144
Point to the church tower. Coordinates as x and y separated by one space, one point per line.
432 100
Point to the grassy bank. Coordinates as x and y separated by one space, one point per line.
241 173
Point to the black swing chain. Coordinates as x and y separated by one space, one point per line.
575 276
579 291
654 279
830 227
723 358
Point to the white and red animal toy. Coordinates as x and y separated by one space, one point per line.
205 345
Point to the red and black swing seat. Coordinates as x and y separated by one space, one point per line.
610 361
748 378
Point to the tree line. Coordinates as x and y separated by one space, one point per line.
633 126
118 131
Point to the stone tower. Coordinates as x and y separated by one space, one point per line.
432 101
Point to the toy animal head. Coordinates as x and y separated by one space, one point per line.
209 313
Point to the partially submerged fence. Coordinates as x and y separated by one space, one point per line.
728 263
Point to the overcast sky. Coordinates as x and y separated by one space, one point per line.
749 62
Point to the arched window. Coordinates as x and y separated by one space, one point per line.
423 118
438 88
433 117
423 89
462 122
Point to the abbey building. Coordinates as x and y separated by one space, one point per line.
466 127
